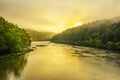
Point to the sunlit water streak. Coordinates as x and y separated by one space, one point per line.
63 62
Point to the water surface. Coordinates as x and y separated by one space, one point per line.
61 62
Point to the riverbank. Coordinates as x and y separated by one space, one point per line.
116 51
33 46
17 54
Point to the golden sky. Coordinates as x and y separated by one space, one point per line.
57 15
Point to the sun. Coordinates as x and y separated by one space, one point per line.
78 24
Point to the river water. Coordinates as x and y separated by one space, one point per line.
50 61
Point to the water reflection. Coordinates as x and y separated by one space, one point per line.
10 68
52 62
59 62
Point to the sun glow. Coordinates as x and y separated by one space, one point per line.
78 24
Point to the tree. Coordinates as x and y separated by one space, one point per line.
12 38
117 45
109 45
96 34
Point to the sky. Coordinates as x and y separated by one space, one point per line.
57 15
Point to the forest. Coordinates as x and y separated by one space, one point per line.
12 38
103 34
40 35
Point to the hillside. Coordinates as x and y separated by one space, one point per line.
100 34
39 36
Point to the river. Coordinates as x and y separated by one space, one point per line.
51 61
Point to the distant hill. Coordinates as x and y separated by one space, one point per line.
40 36
103 22
100 34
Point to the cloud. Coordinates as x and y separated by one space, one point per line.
47 14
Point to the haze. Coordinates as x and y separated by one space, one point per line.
56 15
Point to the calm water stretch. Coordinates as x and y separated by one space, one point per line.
50 61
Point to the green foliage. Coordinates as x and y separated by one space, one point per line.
12 38
117 45
2 43
99 34
109 45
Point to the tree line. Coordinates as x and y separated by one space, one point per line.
12 38
99 34
40 36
